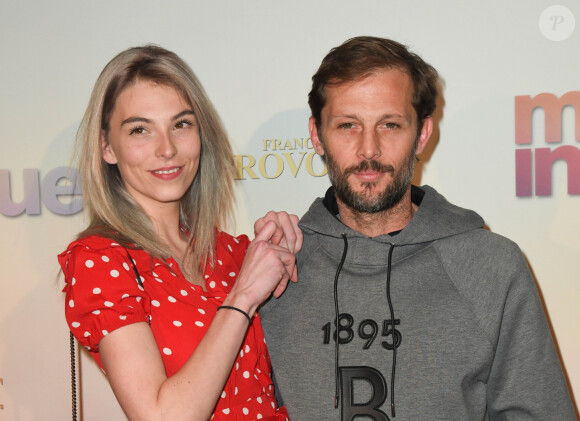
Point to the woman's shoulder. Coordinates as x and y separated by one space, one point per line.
93 242
91 249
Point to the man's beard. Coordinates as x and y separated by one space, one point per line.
366 202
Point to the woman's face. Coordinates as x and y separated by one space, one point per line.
154 140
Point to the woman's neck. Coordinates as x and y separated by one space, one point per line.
168 229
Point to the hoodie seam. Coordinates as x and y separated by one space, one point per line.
463 297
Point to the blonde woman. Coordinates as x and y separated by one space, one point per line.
164 300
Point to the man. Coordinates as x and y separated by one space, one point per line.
437 317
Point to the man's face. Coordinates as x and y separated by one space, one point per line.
368 134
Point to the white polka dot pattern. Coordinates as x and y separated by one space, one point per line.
103 295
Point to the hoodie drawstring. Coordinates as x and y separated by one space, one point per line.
336 318
392 312
336 315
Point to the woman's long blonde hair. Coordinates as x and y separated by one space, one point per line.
112 211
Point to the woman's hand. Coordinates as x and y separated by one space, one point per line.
287 233
266 270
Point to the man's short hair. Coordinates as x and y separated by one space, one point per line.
358 57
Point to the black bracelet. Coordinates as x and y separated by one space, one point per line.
237 309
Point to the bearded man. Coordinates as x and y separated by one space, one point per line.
405 306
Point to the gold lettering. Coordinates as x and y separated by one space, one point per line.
288 145
277 144
298 143
290 161
240 167
310 166
279 165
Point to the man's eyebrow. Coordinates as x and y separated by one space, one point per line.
354 116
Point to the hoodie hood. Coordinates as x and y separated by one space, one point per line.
435 219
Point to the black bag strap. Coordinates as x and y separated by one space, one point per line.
73 371
73 377
135 270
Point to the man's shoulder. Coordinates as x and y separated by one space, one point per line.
484 264
480 241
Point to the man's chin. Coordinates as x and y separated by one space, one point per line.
362 201
369 191
370 198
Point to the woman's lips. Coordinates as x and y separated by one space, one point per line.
167 173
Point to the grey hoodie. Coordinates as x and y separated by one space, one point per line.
472 339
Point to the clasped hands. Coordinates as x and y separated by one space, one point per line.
270 262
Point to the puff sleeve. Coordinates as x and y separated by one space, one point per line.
102 292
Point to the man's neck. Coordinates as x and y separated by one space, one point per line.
379 223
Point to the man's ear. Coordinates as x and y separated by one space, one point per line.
106 151
425 134
314 138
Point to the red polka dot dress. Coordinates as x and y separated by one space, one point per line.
102 294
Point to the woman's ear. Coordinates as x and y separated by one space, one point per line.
106 150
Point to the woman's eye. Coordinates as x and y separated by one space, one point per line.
137 130
183 124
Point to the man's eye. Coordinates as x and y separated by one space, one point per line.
346 126
391 125
137 130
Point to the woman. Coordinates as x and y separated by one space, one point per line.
163 300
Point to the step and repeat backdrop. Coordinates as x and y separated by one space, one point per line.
507 141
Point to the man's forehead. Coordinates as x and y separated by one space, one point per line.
364 75
389 88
